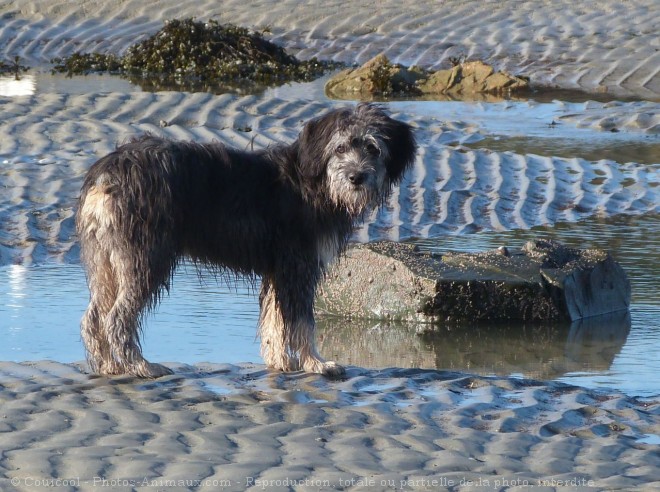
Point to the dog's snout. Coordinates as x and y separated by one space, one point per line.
357 178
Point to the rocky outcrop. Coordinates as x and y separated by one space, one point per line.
543 281
376 77
379 77
472 77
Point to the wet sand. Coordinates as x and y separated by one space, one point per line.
240 427
48 141
599 46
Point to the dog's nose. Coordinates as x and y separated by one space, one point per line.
357 178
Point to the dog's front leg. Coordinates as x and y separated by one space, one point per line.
287 329
311 361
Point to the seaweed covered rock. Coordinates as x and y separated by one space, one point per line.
543 281
379 77
191 53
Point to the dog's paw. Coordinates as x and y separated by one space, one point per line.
150 370
331 369
328 368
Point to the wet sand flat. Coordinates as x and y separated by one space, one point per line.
49 139
47 143
243 428
239 427
606 46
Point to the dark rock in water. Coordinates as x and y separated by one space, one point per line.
543 281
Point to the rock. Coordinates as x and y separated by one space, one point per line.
376 77
380 77
543 281
470 78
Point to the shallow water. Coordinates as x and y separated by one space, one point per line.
607 357
544 123
535 127
538 124
41 307
208 321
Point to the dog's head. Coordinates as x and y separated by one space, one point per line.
356 154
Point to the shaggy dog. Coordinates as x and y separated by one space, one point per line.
282 214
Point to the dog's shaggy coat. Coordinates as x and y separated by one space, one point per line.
282 214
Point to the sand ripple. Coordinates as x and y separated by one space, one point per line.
616 115
241 423
47 143
609 46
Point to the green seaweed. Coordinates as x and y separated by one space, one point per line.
194 55
13 67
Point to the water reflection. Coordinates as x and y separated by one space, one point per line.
16 292
12 86
542 351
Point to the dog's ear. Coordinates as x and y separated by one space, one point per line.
312 143
398 137
310 154
401 146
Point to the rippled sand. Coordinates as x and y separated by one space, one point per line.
240 427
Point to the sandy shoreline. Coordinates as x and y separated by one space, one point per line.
228 427
243 428
606 46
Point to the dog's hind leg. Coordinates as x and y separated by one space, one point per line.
103 291
127 267
122 323
94 224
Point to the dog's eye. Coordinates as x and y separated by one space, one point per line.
341 149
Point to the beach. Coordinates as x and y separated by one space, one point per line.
219 426
243 428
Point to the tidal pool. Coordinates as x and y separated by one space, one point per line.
204 320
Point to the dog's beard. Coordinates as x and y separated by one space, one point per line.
357 199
